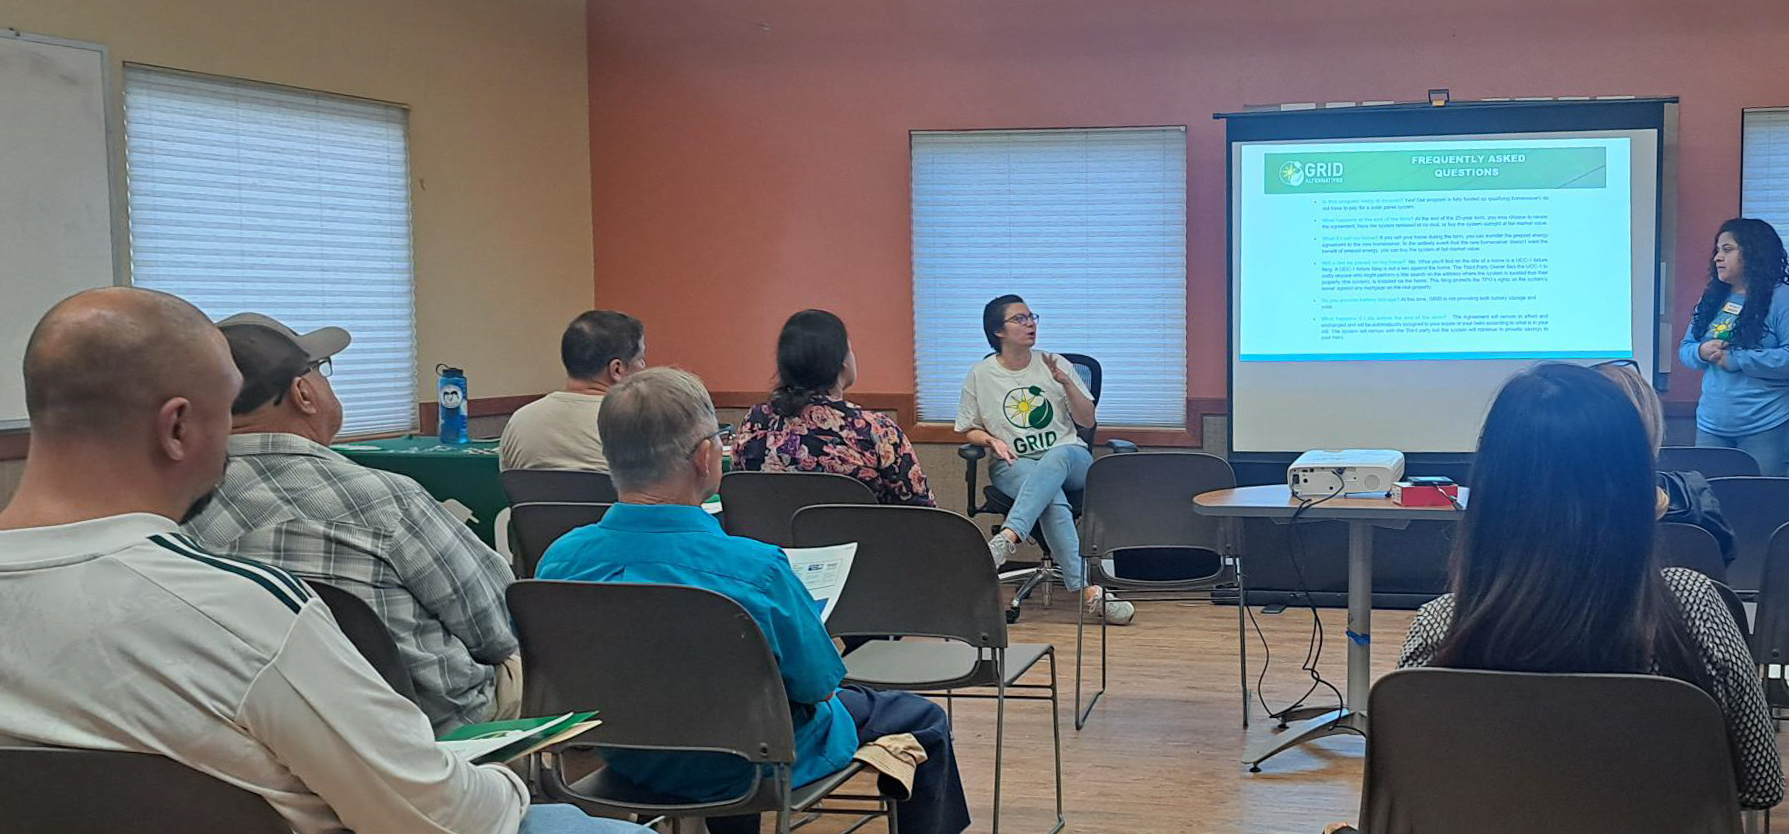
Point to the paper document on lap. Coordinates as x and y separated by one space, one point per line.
823 571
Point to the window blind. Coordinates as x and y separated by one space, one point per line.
1764 170
1089 225
295 204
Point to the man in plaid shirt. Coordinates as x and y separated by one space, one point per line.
289 501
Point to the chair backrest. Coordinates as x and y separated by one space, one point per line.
1095 377
1755 507
539 524
1145 499
1770 634
669 667
1473 752
1688 546
1711 461
532 486
760 505
918 571
369 634
57 790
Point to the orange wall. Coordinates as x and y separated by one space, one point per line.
750 159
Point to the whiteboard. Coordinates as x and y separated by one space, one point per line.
56 207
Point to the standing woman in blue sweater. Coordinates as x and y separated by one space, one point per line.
1739 340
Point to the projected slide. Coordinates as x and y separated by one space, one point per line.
1504 248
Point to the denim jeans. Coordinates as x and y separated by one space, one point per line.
565 819
1769 447
1037 488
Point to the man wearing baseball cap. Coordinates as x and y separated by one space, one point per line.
290 501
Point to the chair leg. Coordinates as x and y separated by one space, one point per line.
999 733
784 821
1056 740
893 810
1080 652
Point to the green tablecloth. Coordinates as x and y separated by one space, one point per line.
466 473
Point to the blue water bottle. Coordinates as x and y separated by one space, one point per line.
450 390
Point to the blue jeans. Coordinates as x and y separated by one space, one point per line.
1037 487
1769 447
565 819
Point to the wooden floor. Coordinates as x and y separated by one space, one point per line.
1162 751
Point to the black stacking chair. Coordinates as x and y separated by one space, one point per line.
1475 752
671 669
59 790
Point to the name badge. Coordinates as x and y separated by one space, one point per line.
1731 309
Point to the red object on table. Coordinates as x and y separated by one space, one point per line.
1411 495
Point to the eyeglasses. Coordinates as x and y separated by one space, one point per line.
1617 363
323 367
1023 318
722 435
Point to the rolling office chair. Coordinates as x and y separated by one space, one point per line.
992 501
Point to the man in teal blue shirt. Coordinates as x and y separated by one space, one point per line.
664 448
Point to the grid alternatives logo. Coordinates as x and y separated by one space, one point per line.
1027 408
1292 174
1295 173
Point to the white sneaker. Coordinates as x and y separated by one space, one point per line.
1108 605
1001 548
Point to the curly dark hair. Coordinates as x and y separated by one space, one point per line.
1761 252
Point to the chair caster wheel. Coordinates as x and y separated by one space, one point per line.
1012 616
1255 769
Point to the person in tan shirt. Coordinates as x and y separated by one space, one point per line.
558 431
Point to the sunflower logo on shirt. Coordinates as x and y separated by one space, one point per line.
1721 331
1026 408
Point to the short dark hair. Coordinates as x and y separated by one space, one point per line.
993 317
599 337
810 355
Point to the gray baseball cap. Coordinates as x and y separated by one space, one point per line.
270 355
317 345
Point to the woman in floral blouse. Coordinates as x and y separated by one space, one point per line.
809 426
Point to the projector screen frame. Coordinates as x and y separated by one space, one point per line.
1418 120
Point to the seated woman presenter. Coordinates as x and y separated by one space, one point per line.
1024 405
1553 567
809 426
1739 339
1683 497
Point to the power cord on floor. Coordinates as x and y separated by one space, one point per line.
1314 647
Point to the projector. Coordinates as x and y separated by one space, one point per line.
1321 473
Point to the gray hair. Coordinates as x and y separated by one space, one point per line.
650 423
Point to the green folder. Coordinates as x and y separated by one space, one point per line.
496 742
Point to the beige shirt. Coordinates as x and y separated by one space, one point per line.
123 634
557 431
1026 408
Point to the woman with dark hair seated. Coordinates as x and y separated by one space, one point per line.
1553 569
1024 405
809 426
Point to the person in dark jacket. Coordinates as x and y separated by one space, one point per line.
1683 497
